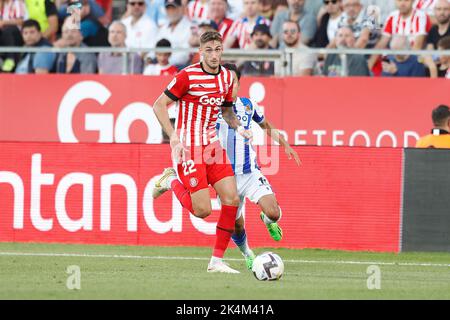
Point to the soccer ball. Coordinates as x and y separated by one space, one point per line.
268 266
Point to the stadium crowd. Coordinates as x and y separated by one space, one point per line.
245 24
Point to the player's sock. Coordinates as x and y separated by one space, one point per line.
241 242
268 221
224 230
182 194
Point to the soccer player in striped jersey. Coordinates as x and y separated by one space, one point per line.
251 183
201 91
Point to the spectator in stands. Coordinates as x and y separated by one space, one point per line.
156 11
328 23
356 64
12 15
93 32
364 26
79 62
384 7
235 9
197 10
106 6
176 30
141 30
39 63
296 12
302 63
427 6
440 134
196 32
260 40
405 21
46 14
442 28
239 34
444 61
267 9
402 65
217 13
112 63
162 67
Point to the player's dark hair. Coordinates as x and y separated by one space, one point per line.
163 43
444 43
232 67
440 115
210 36
31 23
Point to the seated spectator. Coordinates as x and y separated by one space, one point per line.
217 13
268 9
356 63
106 6
39 63
427 6
162 67
141 30
156 11
260 40
385 8
112 63
442 28
440 134
197 10
444 61
93 32
239 34
363 25
328 23
302 63
296 12
79 62
176 30
12 15
407 22
196 32
46 14
402 65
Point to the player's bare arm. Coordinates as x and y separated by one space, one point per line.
160 109
230 117
277 137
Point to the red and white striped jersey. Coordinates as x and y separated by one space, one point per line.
197 10
242 29
15 9
199 96
224 27
426 6
418 23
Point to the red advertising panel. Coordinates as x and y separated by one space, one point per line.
312 111
340 198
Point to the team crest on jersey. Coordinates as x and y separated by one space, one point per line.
193 182
172 83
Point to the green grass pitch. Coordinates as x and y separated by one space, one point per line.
39 271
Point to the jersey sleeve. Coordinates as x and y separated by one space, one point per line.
229 97
388 26
178 87
258 115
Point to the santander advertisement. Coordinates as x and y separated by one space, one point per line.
309 111
101 194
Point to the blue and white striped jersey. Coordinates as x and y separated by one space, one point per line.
241 154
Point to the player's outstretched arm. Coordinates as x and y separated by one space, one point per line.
277 137
160 109
230 117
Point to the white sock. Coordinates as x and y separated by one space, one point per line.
268 221
215 260
170 179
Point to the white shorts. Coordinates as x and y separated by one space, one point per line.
253 186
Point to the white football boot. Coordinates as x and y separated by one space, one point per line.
163 183
220 266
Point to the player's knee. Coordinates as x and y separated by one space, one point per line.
232 200
273 212
202 212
